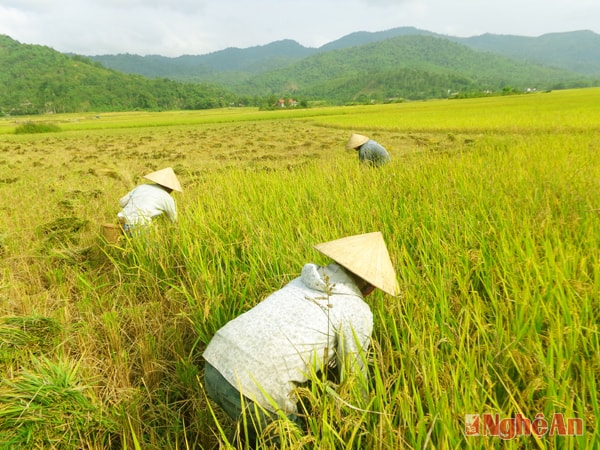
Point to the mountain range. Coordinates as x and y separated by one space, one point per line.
577 51
399 64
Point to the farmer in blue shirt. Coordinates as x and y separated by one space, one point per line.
369 151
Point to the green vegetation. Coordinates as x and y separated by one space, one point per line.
412 67
32 127
37 80
232 63
489 208
578 51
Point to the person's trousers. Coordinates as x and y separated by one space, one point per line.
237 406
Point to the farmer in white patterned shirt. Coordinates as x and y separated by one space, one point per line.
317 319
147 201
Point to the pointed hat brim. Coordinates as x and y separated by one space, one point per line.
356 140
165 177
366 256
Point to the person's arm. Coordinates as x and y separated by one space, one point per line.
125 199
382 155
170 209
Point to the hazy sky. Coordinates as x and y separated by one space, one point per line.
196 27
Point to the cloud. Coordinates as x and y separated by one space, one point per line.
28 5
176 27
110 26
172 6
64 6
386 3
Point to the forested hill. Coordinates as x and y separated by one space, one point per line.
412 67
249 61
37 79
398 63
577 51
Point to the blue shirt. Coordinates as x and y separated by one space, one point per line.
373 153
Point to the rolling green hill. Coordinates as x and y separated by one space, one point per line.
37 79
359 38
413 67
402 62
577 51
232 63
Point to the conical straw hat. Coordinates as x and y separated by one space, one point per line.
356 140
364 255
165 177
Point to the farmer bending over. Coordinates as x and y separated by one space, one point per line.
148 201
317 319
369 151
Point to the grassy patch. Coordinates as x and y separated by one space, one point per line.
33 127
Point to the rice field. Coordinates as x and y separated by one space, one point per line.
490 209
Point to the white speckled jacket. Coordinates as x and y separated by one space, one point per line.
293 333
145 202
